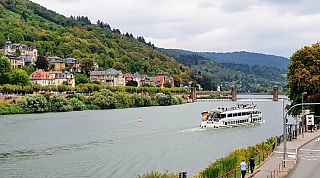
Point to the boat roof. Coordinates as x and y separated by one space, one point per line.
234 110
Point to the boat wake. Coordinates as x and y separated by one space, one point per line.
191 130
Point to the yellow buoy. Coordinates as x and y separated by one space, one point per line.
140 119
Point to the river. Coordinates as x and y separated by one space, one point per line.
113 144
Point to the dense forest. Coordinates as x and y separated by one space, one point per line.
226 75
56 35
243 57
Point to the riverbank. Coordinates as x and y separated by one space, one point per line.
104 99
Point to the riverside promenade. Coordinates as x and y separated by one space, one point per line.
272 167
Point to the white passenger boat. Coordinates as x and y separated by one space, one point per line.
241 115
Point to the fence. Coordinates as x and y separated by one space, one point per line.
235 173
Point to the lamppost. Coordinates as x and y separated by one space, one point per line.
302 117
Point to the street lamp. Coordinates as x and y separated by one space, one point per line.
304 93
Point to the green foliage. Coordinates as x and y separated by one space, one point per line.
33 104
304 76
59 104
105 99
167 85
79 97
121 100
243 76
19 77
29 69
10 109
80 78
96 82
132 83
163 99
230 163
154 174
56 35
42 62
62 88
76 104
141 101
86 65
5 65
5 69
92 107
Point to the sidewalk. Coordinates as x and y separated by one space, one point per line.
274 162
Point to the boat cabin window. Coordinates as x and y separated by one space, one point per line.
221 116
229 115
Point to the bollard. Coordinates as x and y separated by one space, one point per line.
302 135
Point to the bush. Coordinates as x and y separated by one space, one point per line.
59 104
10 109
33 103
163 99
92 107
76 104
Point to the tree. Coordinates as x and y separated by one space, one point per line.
80 78
29 69
120 66
86 65
5 65
304 76
132 83
206 82
19 77
167 85
33 103
42 62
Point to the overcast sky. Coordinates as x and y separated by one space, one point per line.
278 27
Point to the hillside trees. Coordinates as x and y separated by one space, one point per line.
86 65
304 76
27 22
42 62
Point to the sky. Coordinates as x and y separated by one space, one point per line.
276 27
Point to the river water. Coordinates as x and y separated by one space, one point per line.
113 144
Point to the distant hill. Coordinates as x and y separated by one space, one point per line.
242 57
243 76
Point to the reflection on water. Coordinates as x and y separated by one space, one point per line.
112 143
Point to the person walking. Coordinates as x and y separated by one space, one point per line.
251 163
243 168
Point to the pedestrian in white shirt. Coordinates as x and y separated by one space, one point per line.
243 168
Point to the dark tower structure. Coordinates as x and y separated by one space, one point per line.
275 93
234 94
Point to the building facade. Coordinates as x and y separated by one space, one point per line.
44 78
110 77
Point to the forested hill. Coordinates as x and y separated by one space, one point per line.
243 57
244 77
56 35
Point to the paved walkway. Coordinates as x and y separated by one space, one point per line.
272 166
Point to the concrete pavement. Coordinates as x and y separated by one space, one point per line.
272 167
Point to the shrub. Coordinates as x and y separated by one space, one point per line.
33 103
10 109
59 104
76 104
105 99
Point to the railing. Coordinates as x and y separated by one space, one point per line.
275 172
258 160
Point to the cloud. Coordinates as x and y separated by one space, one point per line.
266 26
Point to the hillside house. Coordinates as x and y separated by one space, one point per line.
44 78
72 64
110 77
56 63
